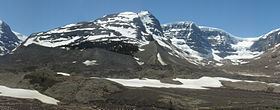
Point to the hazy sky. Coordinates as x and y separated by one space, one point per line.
244 18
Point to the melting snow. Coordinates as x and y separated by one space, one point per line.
201 83
138 61
254 75
25 93
90 62
219 64
51 43
141 49
160 60
64 74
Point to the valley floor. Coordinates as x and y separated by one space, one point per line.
147 99
102 94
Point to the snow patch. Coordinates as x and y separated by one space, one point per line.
254 75
138 61
90 62
201 83
219 64
160 60
141 50
50 43
27 94
64 74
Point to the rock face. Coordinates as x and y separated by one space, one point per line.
267 41
8 39
190 34
219 40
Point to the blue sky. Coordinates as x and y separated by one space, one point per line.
244 18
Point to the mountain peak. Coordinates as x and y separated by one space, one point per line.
145 12
8 40
125 26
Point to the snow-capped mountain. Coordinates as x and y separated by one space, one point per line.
8 39
129 27
210 44
131 33
136 34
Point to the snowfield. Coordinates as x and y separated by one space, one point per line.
243 51
201 83
27 94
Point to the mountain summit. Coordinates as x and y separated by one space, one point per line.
129 27
8 39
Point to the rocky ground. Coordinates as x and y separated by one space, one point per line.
84 93
161 99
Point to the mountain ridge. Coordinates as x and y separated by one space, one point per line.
198 44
